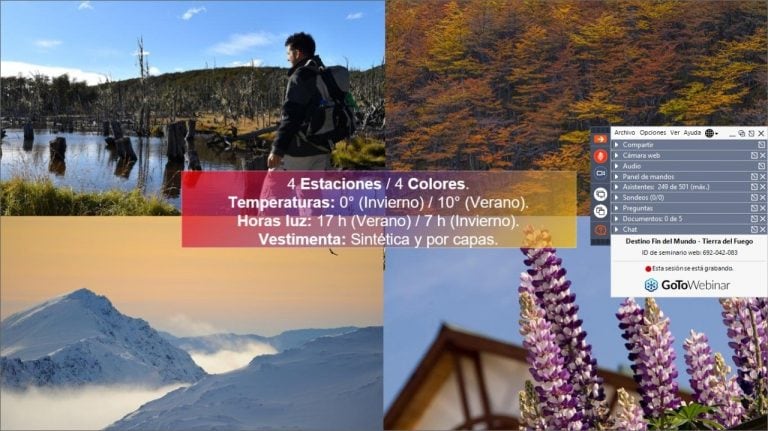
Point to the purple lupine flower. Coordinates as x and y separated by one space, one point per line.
557 406
630 317
656 363
701 368
526 284
747 332
761 308
530 419
710 382
629 416
546 281
730 412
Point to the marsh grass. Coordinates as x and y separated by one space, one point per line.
25 197
359 153
222 126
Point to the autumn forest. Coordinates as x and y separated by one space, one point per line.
516 84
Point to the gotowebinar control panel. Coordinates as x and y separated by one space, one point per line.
684 209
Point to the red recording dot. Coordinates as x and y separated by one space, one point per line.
648 269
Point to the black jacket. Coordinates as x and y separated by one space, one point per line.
301 99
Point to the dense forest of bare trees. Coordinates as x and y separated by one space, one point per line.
231 93
30 97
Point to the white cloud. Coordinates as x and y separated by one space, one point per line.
356 15
47 43
238 43
181 325
227 360
192 12
136 53
85 5
91 407
14 68
254 61
153 70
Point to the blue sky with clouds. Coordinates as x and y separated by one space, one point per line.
477 290
90 39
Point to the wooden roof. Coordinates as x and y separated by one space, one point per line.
437 364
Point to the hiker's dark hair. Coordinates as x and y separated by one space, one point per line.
303 42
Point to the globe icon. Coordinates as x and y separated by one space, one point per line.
709 133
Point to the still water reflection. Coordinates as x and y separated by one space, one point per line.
90 166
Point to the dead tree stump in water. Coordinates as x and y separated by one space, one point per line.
175 133
190 128
29 132
123 167
125 149
181 142
117 129
192 157
57 167
57 148
172 179
122 144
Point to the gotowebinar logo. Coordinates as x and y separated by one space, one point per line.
651 285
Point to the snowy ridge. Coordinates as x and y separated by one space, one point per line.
81 338
284 341
332 382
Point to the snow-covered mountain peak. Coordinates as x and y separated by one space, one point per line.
81 338
62 321
89 299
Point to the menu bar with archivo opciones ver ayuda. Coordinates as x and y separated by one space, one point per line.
684 209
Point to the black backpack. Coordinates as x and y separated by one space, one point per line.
334 118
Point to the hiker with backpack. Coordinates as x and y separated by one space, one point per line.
316 111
